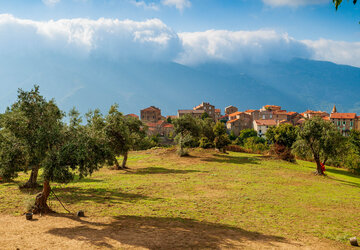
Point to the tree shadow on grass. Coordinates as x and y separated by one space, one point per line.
159 170
232 159
162 233
74 195
346 173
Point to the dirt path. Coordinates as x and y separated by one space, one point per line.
69 232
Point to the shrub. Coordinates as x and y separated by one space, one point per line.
282 152
205 143
256 144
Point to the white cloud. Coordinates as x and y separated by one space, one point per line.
143 4
294 3
51 3
152 40
335 51
235 46
179 4
112 38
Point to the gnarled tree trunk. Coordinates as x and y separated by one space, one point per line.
124 161
117 165
32 182
319 170
41 200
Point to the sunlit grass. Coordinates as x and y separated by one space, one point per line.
239 190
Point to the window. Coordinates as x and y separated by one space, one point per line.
351 123
344 123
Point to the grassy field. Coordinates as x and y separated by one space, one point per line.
235 190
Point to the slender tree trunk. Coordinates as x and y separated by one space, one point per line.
319 170
41 200
117 165
32 182
124 160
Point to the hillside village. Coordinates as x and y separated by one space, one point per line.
258 119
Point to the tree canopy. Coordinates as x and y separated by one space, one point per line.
320 139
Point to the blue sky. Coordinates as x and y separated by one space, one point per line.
305 28
304 21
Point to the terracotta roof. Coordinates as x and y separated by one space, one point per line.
326 118
266 122
133 115
272 106
236 113
280 112
217 111
314 112
250 111
284 122
292 113
168 126
151 108
224 117
343 116
150 124
300 121
232 121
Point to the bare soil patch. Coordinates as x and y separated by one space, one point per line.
129 232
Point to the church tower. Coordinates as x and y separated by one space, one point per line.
334 110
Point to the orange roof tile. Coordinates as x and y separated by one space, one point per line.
133 115
326 118
168 126
250 111
217 111
232 121
266 122
236 113
343 116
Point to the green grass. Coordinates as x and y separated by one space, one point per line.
237 190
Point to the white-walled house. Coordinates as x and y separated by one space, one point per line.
261 126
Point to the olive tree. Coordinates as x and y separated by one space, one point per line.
186 129
36 123
221 138
319 139
282 138
77 150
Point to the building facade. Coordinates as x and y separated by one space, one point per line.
208 108
151 114
238 121
261 126
345 122
230 109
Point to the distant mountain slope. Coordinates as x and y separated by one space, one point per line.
94 82
319 85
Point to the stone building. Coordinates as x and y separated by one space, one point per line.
151 114
308 114
239 121
193 113
345 122
230 109
208 108
217 114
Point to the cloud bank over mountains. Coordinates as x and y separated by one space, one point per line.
153 40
